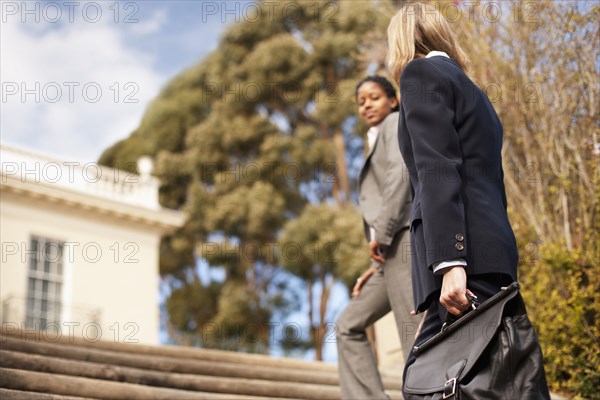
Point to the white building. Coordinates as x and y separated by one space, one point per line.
80 248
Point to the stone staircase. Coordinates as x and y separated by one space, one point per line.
37 366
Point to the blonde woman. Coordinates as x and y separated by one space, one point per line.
451 139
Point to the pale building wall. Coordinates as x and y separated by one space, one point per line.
389 350
109 265
110 262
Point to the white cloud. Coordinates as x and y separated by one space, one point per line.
66 58
152 25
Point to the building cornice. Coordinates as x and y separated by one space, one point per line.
163 219
89 187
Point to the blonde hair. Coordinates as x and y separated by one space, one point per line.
415 30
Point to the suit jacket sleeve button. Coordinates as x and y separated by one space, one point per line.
459 237
459 246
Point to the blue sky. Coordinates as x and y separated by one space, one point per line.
77 76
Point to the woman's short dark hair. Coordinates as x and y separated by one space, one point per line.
384 84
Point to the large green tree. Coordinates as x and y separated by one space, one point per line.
243 142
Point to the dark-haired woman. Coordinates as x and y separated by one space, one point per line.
384 198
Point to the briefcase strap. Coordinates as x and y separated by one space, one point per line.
452 375
449 388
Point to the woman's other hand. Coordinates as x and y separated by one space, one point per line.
362 280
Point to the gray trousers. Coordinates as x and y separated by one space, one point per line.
388 289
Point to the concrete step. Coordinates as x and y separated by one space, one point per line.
70 367
93 388
211 384
9 394
173 351
169 364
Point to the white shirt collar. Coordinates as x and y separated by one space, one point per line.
372 135
434 53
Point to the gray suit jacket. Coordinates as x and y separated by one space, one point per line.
384 186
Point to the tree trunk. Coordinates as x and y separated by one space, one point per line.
342 170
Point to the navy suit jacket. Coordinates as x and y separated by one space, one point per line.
451 139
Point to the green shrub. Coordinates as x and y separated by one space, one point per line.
562 291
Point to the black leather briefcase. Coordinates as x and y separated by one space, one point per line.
492 352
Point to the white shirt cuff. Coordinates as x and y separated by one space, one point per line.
371 233
440 267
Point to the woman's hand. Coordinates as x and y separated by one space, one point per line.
375 252
362 280
454 289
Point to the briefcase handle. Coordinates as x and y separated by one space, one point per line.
451 318
505 294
